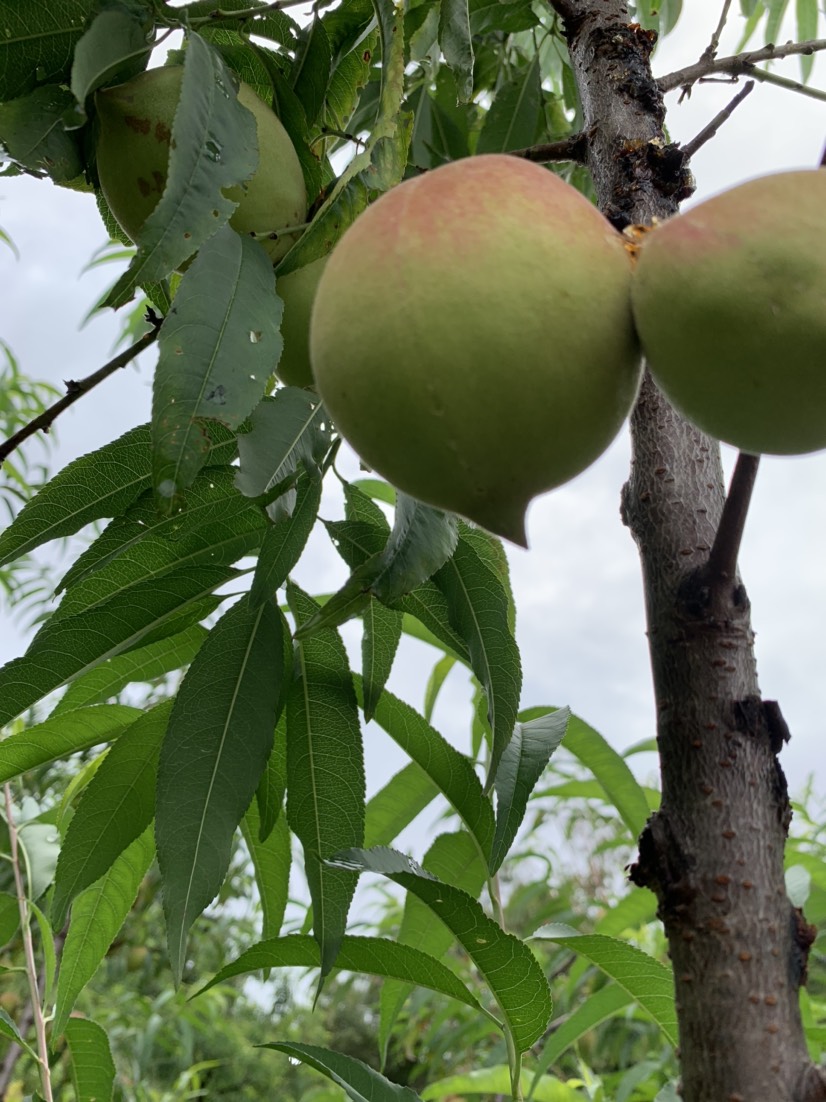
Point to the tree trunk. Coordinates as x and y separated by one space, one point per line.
713 853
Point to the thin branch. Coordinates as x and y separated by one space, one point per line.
738 64
708 132
722 560
710 52
823 158
75 389
245 13
574 148
789 85
28 950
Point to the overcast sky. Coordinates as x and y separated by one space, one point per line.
578 589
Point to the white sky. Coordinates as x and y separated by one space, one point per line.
579 596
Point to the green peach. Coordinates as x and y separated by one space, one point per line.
730 304
472 337
133 155
297 291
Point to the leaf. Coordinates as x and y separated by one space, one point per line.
97 916
445 766
356 1079
61 736
271 861
325 766
777 10
141 664
214 145
372 956
285 540
397 804
347 81
218 347
9 1030
217 743
437 678
455 859
37 46
116 807
478 604
495 1082
113 50
649 983
510 969
513 117
807 17
272 787
93 1070
493 15
382 632
457 44
311 68
522 764
9 917
70 646
597 1008
101 484
290 432
622 789
31 129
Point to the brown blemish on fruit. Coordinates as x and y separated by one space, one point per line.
140 126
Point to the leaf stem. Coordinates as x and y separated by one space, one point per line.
28 950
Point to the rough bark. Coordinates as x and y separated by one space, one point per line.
713 854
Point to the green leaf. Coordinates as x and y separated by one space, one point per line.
285 540
347 81
141 664
397 804
446 767
513 117
311 68
271 861
218 348
427 617
116 807
101 484
214 146
597 1008
457 44
290 432
213 524
113 50
216 527
37 44
807 19
508 966
9 1030
31 129
72 645
269 795
495 1082
372 956
325 766
9 917
97 916
479 608
493 15
61 736
219 737
379 643
455 859
356 1079
437 678
520 767
93 1069
622 789
649 983
777 11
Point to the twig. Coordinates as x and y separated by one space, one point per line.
28 950
75 389
708 132
789 85
567 9
710 52
574 148
738 64
823 158
722 560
